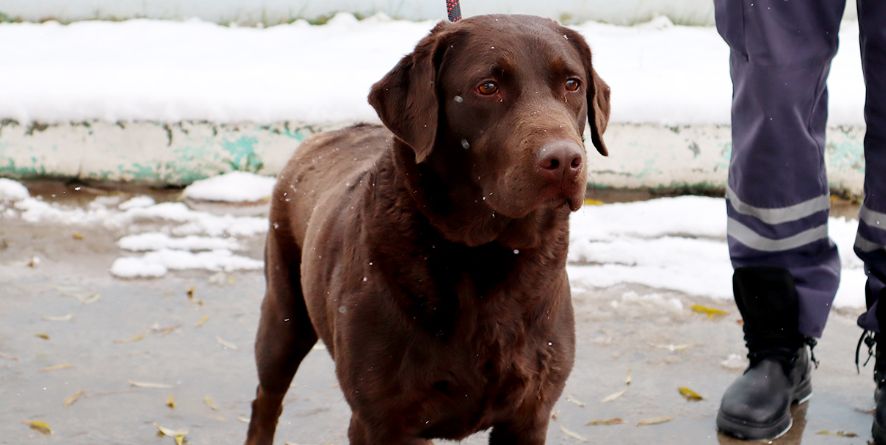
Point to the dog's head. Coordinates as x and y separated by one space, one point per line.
500 102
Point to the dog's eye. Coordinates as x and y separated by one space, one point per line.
573 84
487 88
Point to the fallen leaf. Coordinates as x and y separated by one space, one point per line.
191 291
571 399
572 434
77 236
711 312
210 403
57 367
243 419
225 343
628 378
593 202
613 396
133 339
89 299
8 357
179 436
149 385
73 398
33 262
39 425
611 421
66 317
42 335
689 394
170 402
837 433
164 330
654 421
202 321
870 411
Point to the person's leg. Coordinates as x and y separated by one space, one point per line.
870 242
777 200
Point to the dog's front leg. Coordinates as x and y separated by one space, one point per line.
531 431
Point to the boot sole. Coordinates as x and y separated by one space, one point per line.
744 430
879 434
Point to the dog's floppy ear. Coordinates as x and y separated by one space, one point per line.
406 98
598 93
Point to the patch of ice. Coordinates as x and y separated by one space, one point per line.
232 187
155 264
144 242
12 191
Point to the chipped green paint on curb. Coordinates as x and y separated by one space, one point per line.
642 156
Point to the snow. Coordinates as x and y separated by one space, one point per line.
282 11
232 187
12 191
156 264
144 242
172 71
677 244
672 244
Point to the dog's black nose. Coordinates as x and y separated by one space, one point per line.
560 159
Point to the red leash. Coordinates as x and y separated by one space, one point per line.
454 10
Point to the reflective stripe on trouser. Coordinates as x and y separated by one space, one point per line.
870 242
777 197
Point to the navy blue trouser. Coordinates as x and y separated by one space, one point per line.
777 194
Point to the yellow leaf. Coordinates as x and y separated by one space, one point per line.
39 425
711 312
654 421
170 402
66 317
178 435
572 434
689 394
71 399
210 403
613 396
612 421
837 433
202 321
77 236
191 291
225 343
57 367
593 202
149 385
42 335
243 419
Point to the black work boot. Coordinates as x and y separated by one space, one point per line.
758 404
877 350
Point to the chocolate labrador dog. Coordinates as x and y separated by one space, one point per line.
429 254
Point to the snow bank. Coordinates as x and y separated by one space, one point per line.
12 191
232 187
170 71
144 242
282 11
156 264
677 244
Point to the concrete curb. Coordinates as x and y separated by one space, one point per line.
642 156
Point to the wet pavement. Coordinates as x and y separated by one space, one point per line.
68 327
